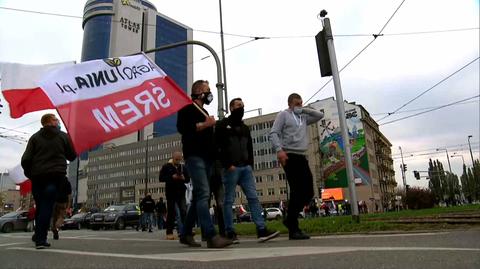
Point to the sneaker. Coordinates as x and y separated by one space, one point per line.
218 242
42 245
264 235
189 241
233 237
170 237
298 235
55 234
150 231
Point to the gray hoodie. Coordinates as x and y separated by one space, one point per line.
289 131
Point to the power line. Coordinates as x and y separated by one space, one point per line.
13 130
266 37
236 46
360 52
429 89
430 110
18 127
429 149
420 109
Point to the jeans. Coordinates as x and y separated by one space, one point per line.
218 191
176 206
148 218
300 181
160 221
242 176
200 170
44 192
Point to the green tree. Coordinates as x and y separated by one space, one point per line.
437 179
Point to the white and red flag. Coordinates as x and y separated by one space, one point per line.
20 86
101 100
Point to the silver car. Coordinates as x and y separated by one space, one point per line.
14 221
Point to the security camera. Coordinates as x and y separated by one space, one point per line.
323 13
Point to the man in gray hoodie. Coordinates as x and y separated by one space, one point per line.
289 139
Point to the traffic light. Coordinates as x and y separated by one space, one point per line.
407 187
416 174
404 168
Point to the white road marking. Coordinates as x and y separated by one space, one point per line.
244 253
375 235
11 244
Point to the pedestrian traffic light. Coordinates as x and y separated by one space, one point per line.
404 168
416 174
407 187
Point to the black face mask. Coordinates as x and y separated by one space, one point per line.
207 98
237 114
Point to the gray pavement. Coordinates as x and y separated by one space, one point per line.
131 249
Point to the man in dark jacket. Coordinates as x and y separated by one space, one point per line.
175 176
196 128
236 154
45 163
147 206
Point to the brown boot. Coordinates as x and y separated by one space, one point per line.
218 242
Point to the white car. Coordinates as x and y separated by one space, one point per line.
274 213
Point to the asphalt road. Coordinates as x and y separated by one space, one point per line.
131 249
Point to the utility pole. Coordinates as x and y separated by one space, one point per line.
327 35
223 54
403 170
448 160
470 147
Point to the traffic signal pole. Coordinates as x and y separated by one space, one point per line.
341 115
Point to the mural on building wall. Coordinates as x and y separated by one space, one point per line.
332 149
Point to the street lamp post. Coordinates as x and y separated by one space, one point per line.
463 160
448 159
146 162
470 147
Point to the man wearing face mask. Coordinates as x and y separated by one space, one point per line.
175 176
196 128
44 162
289 139
236 154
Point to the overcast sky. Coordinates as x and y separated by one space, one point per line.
389 73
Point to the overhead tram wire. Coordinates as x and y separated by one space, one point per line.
266 37
421 109
361 51
430 110
18 127
429 89
431 149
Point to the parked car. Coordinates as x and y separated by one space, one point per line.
14 221
116 216
245 217
274 213
77 221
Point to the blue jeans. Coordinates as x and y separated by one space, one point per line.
200 170
45 193
148 219
242 176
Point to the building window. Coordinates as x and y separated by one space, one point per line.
283 190
259 193
271 191
269 178
258 179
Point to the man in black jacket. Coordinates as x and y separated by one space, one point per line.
236 154
44 162
175 176
196 128
147 206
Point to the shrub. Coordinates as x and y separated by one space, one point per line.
419 198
